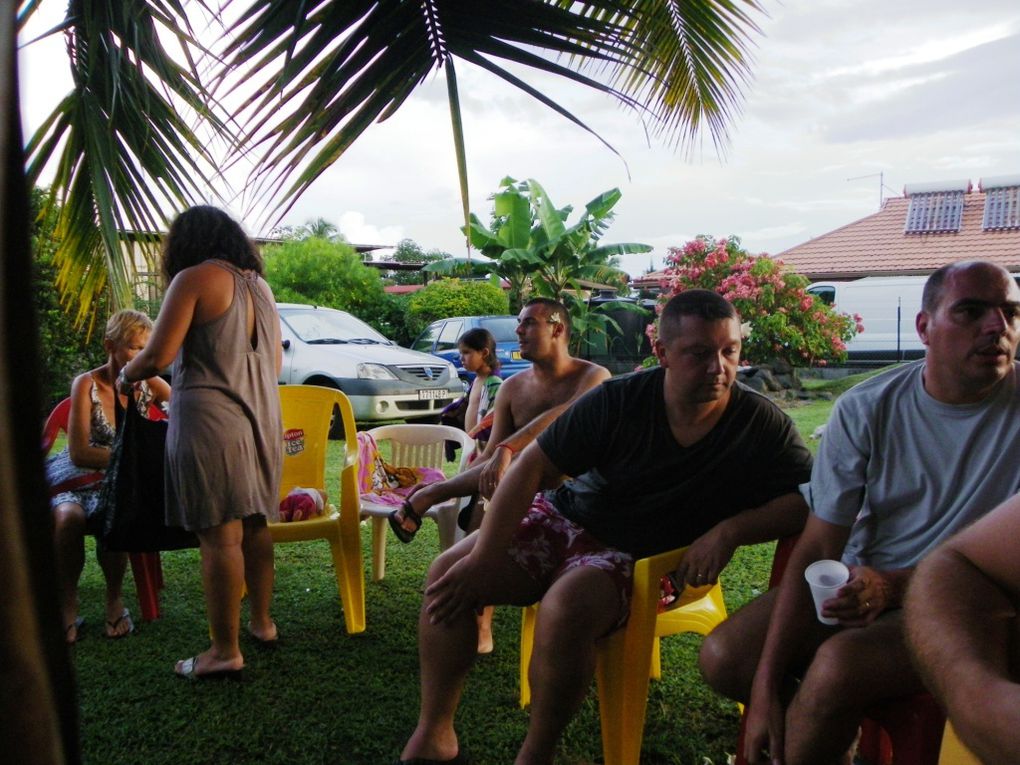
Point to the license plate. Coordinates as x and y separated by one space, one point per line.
432 393
515 355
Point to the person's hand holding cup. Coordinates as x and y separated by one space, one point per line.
826 577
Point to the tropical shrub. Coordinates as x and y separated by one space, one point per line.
454 297
326 273
786 322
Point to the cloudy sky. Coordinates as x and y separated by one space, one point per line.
843 91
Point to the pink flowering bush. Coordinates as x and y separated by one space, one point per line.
785 321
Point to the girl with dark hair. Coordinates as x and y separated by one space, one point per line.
477 349
219 326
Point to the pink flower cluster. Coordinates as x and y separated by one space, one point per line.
786 321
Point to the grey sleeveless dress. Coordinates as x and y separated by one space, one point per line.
224 444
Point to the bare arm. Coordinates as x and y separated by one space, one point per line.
513 443
961 612
160 390
79 427
175 317
456 591
708 554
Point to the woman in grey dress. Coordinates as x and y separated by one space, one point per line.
219 326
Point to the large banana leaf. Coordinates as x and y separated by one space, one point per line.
124 155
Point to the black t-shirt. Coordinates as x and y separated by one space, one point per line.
639 491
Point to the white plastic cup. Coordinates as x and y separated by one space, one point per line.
825 577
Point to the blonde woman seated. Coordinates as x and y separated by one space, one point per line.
75 473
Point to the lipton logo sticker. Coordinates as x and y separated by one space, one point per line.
293 441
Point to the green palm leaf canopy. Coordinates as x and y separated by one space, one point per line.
311 77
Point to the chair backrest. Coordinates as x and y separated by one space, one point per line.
307 411
418 445
784 548
58 418
55 423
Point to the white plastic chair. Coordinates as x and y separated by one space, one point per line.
417 446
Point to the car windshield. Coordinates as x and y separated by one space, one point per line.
503 328
319 326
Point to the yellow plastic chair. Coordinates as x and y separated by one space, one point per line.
623 691
953 751
307 412
417 445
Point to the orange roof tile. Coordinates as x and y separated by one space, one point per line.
877 246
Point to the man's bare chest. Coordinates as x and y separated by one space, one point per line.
535 399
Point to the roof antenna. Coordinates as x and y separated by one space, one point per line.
881 185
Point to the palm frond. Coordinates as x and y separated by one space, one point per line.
124 155
327 75
693 63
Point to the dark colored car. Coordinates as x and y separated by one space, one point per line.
440 338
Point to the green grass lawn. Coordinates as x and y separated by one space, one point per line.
325 697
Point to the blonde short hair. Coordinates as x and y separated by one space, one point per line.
124 325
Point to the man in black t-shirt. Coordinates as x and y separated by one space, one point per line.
674 456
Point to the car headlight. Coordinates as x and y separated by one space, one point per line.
375 372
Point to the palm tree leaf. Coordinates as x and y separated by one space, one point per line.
327 75
125 157
693 64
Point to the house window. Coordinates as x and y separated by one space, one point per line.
1002 208
934 212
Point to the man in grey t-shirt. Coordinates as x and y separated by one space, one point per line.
908 458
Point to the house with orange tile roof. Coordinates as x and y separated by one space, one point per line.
930 225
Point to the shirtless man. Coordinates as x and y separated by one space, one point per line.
963 630
526 404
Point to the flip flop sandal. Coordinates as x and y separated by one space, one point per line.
401 533
76 625
466 512
187 671
111 627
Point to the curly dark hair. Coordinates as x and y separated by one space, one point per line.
203 232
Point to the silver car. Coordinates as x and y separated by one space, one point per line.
323 346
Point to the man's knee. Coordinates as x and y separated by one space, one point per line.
445 560
584 604
729 654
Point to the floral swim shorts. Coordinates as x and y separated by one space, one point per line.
547 545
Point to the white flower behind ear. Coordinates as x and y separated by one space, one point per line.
554 318
745 330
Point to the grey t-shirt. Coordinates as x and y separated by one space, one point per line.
907 471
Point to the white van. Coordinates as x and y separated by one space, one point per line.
888 306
